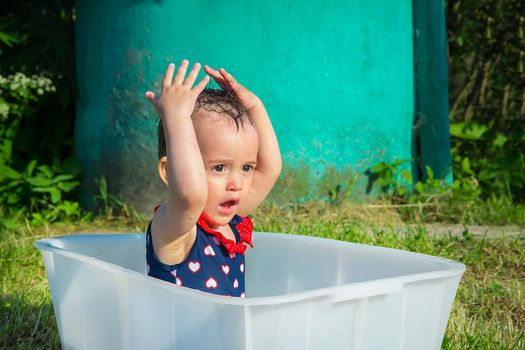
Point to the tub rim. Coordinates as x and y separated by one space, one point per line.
337 293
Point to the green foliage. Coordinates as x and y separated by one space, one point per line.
44 47
398 185
429 200
6 37
30 187
18 98
486 90
337 185
36 124
434 199
486 43
39 191
391 180
111 206
496 161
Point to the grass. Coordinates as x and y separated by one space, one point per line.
488 313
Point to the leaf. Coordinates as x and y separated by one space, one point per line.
103 189
69 208
500 140
68 186
378 168
489 175
468 131
30 167
398 162
6 148
38 181
465 166
42 189
55 195
37 219
4 107
8 185
430 173
407 175
46 170
8 39
12 128
12 198
8 172
61 178
420 188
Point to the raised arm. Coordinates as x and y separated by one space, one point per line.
183 169
269 163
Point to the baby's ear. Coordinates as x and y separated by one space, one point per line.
162 167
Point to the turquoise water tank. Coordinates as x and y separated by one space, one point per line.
346 83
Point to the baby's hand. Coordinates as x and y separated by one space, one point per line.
248 99
177 96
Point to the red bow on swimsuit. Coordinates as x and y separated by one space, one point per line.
245 228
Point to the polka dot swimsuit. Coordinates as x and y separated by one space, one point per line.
210 266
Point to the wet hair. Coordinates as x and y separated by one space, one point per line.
220 101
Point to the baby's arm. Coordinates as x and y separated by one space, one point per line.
184 171
269 163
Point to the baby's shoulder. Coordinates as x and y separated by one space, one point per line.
169 248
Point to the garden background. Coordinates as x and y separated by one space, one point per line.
479 219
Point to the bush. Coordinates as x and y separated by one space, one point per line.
25 186
486 42
37 170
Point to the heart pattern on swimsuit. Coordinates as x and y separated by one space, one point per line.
225 269
241 267
211 283
208 250
194 266
236 283
178 281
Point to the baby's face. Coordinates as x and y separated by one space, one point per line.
230 157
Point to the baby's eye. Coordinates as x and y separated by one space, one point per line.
219 168
247 168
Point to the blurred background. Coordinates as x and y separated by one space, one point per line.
360 108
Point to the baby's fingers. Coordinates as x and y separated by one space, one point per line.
214 73
181 73
168 76
152 97
149 95
190 79
201 85
216 76
230 79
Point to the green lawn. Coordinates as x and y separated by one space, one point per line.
488 313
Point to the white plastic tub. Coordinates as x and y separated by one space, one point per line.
302 293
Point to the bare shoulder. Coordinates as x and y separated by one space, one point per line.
171 243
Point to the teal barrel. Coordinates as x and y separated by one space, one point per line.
338 79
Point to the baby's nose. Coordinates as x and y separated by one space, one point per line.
234 183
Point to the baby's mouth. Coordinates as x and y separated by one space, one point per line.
230 203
